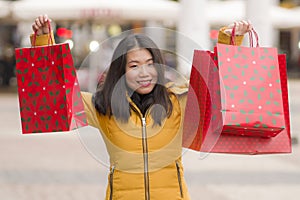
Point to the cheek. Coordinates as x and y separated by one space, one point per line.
154 74
130 77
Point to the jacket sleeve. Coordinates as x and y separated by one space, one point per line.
90 110
42 40
224 37
180 91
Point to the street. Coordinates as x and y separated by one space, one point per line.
57 165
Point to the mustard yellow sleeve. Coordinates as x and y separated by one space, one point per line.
180 91
224 38
183 101
90 111
42 40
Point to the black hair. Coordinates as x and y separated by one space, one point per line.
111 96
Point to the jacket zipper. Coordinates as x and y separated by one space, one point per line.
179 179
145 155
111 178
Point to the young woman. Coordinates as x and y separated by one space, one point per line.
140 118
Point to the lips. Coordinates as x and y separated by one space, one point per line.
144 83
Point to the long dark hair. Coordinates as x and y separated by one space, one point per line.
111 97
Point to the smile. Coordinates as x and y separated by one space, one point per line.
144 83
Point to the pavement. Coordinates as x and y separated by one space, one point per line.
58 166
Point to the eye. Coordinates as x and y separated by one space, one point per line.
133 66
151 65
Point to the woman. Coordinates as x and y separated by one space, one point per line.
140 118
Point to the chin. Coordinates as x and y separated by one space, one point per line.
144 90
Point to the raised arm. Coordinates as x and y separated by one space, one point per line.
241 28
41 28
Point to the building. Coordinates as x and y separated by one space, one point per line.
277 22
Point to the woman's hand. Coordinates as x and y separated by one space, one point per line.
41 25
241 27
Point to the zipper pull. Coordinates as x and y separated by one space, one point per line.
112 170
144 121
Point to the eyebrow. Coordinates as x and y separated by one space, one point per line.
135 61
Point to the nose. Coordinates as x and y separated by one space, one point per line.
143 70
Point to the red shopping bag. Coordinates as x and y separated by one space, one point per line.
48 89
237 115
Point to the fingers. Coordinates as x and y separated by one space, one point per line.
40 25
230 25
34 27
242 27
250 27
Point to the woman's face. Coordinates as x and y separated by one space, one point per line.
141 75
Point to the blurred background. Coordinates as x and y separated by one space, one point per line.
85 24
56 166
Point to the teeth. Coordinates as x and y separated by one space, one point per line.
143 82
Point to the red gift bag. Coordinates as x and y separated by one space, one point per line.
48 89
241 96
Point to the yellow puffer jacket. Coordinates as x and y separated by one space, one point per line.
145 160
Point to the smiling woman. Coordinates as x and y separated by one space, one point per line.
140 117
136 69
141 75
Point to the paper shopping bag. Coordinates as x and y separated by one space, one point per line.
249 135
48 89
252 102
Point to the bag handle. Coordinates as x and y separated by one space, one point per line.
232 37
251 33
49 38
